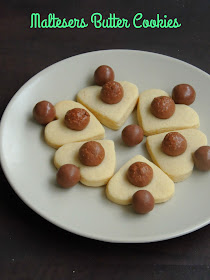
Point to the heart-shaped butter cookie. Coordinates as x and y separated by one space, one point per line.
94 176
120 190
111 115
57 133
178 168
183 117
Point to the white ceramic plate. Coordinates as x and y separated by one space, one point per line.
27 160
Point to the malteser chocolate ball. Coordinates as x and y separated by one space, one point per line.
174 144
112 92
77 119
143 202
132 135
68 175
183 94
163 107
103 74
44 112
140 174
201 158
91 153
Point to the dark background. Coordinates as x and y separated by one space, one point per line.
32 248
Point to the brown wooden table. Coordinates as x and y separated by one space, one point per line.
31 247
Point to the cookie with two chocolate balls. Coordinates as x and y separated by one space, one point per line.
157 112
96 160
137 175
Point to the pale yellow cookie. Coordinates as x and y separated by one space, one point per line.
120 190
180 167
183 117
111 115
94 176
57 134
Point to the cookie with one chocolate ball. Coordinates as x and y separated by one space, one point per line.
120 190
73 123
95 159
172 152
132 135
162 116
111 105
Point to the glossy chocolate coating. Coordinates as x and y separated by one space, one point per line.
77 119
103 74
44 112
140 174
201 158
183 94
68 175
174 144
163 107
112 92
132 135
91 153
143 202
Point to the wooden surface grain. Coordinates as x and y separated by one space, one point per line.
31 247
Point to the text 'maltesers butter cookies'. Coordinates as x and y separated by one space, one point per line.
183 117
111 115
57 133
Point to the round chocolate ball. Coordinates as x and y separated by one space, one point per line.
140 174
91 153
68 175
44 112
77 119
163 107
103 74
132 135
201 158
112 92
143 202
174 144
183 94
